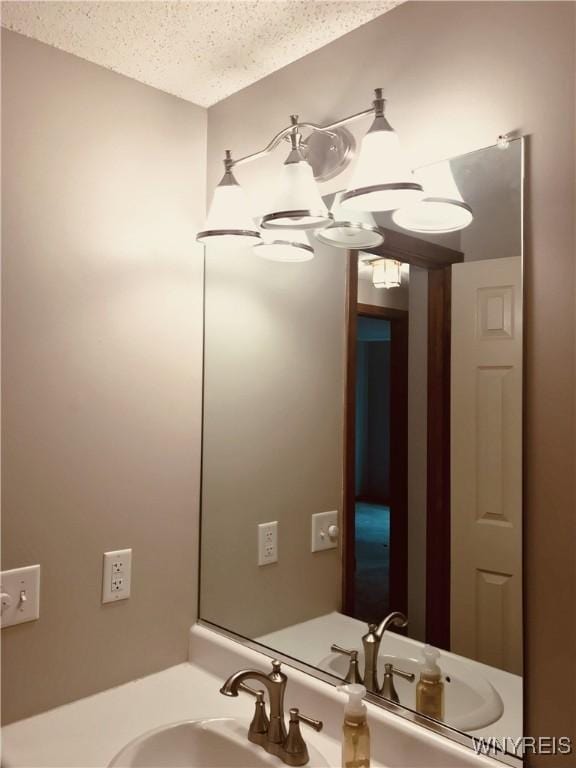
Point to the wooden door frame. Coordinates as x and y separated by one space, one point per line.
398 459
438 491
349 489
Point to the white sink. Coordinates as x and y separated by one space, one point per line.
470 700
211 743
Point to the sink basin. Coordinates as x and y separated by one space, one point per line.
470 700
211 743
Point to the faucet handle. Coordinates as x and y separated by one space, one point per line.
410 676
252 691
258 729
295 749
345 651
353 675
388 689
310 721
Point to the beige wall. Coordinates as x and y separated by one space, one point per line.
273 430
457 75
103 186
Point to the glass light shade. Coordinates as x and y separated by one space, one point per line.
381 180
350 229
229 219
386 273
288 245
298 203
442 209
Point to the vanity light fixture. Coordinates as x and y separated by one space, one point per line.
386 273
350 229
286 245
298 202
229 219
381 180
442 209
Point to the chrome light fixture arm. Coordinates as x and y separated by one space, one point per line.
283 134
294 128
377 109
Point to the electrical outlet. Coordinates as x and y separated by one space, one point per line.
116 575
268 543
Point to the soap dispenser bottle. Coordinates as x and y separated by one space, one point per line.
355 731
430 688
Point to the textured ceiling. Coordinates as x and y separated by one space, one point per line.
201 51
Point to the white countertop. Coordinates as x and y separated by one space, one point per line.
88 733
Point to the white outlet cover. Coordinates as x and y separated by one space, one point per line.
20 589
117 567
321 539
268 543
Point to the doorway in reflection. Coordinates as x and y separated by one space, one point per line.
372 510
378 578
372 585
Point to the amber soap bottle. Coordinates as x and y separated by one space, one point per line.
430 688
355 731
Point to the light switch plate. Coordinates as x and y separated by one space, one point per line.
116 575
323 534
20 599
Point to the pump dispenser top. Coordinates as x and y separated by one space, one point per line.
430 669
354 705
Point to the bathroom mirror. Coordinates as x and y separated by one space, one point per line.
362 452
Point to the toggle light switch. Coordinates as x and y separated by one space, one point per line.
20 595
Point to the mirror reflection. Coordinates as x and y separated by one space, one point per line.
362 449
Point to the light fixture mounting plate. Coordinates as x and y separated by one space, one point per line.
329 153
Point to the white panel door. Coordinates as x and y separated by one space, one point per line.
486 462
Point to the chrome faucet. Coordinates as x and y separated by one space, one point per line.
275 684
271 733
371 642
